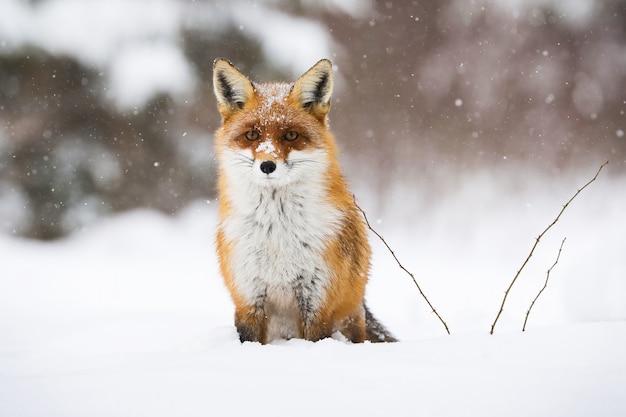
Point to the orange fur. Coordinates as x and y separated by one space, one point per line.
292 246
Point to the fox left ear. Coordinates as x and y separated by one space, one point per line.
314 88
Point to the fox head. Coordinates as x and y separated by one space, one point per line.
273 133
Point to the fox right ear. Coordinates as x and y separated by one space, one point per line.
232 88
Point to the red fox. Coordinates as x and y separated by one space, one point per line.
292 246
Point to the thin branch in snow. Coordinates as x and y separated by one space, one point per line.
545 284
401 266
556 219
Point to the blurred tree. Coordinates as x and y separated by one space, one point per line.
476 81
421 85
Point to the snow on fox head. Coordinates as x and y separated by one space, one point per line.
273 134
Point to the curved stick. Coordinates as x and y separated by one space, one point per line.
545 284
556 219
402 267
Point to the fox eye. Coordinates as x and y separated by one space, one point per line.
291 136
252 135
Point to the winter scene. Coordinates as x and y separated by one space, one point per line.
482 140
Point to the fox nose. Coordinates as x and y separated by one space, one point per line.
267 167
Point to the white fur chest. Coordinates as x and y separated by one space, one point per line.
278 237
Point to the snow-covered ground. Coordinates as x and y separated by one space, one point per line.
129 317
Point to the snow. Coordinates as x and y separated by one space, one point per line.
517 375
134 43
266 147
137 45
358 9
575 12
13 208
130 316
141 71
284 42
89 30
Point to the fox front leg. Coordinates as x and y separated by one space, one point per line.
316 330
251 324
312 325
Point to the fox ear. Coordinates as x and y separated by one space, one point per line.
232 88
313 89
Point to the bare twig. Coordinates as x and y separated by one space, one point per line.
556 219
401 266
545 284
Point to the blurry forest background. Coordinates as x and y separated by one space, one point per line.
107 105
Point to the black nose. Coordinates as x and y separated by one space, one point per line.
267 167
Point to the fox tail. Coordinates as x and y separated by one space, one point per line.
376 332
